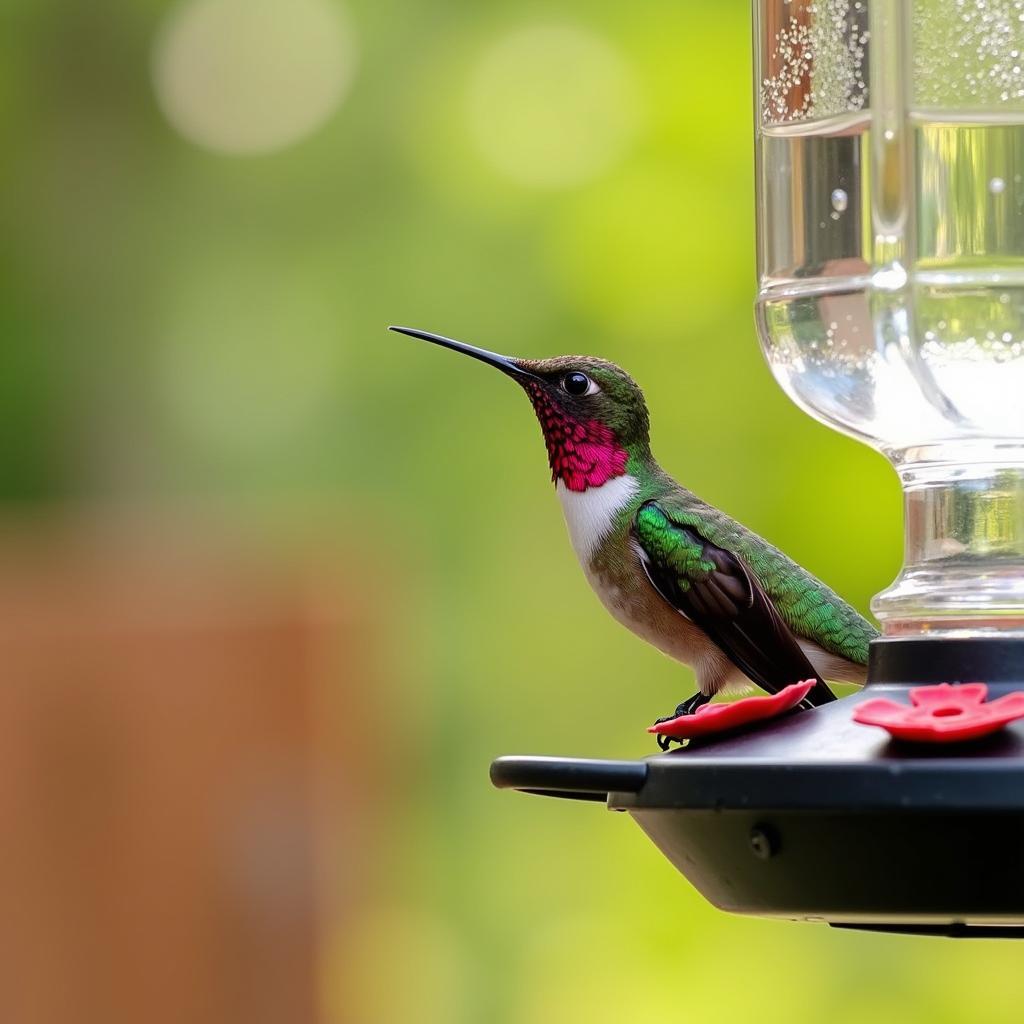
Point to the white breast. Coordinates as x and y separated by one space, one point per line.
590 514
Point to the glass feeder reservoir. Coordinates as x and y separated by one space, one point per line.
890 182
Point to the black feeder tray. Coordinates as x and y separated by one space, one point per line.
814 817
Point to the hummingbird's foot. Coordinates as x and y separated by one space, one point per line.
688 707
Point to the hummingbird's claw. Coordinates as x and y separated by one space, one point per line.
665 741
688 707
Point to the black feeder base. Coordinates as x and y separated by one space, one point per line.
813 817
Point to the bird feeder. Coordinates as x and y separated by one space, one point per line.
890 204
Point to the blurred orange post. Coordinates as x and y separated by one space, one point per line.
170 769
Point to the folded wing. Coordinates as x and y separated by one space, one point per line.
715 590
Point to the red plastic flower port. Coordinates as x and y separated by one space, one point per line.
713 718
943 713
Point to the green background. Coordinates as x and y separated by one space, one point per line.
184 327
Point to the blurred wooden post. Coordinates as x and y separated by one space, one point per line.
169 774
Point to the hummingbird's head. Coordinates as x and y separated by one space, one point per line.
593 414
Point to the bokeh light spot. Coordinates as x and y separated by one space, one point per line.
552 106
252 76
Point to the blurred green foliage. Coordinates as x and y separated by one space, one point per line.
184 324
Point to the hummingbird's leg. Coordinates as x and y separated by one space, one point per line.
698 700
688 707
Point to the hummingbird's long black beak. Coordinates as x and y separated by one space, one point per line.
503 363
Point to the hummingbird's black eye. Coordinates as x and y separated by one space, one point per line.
578 384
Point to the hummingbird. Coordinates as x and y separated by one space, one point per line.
678 572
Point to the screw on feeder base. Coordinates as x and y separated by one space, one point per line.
764 842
